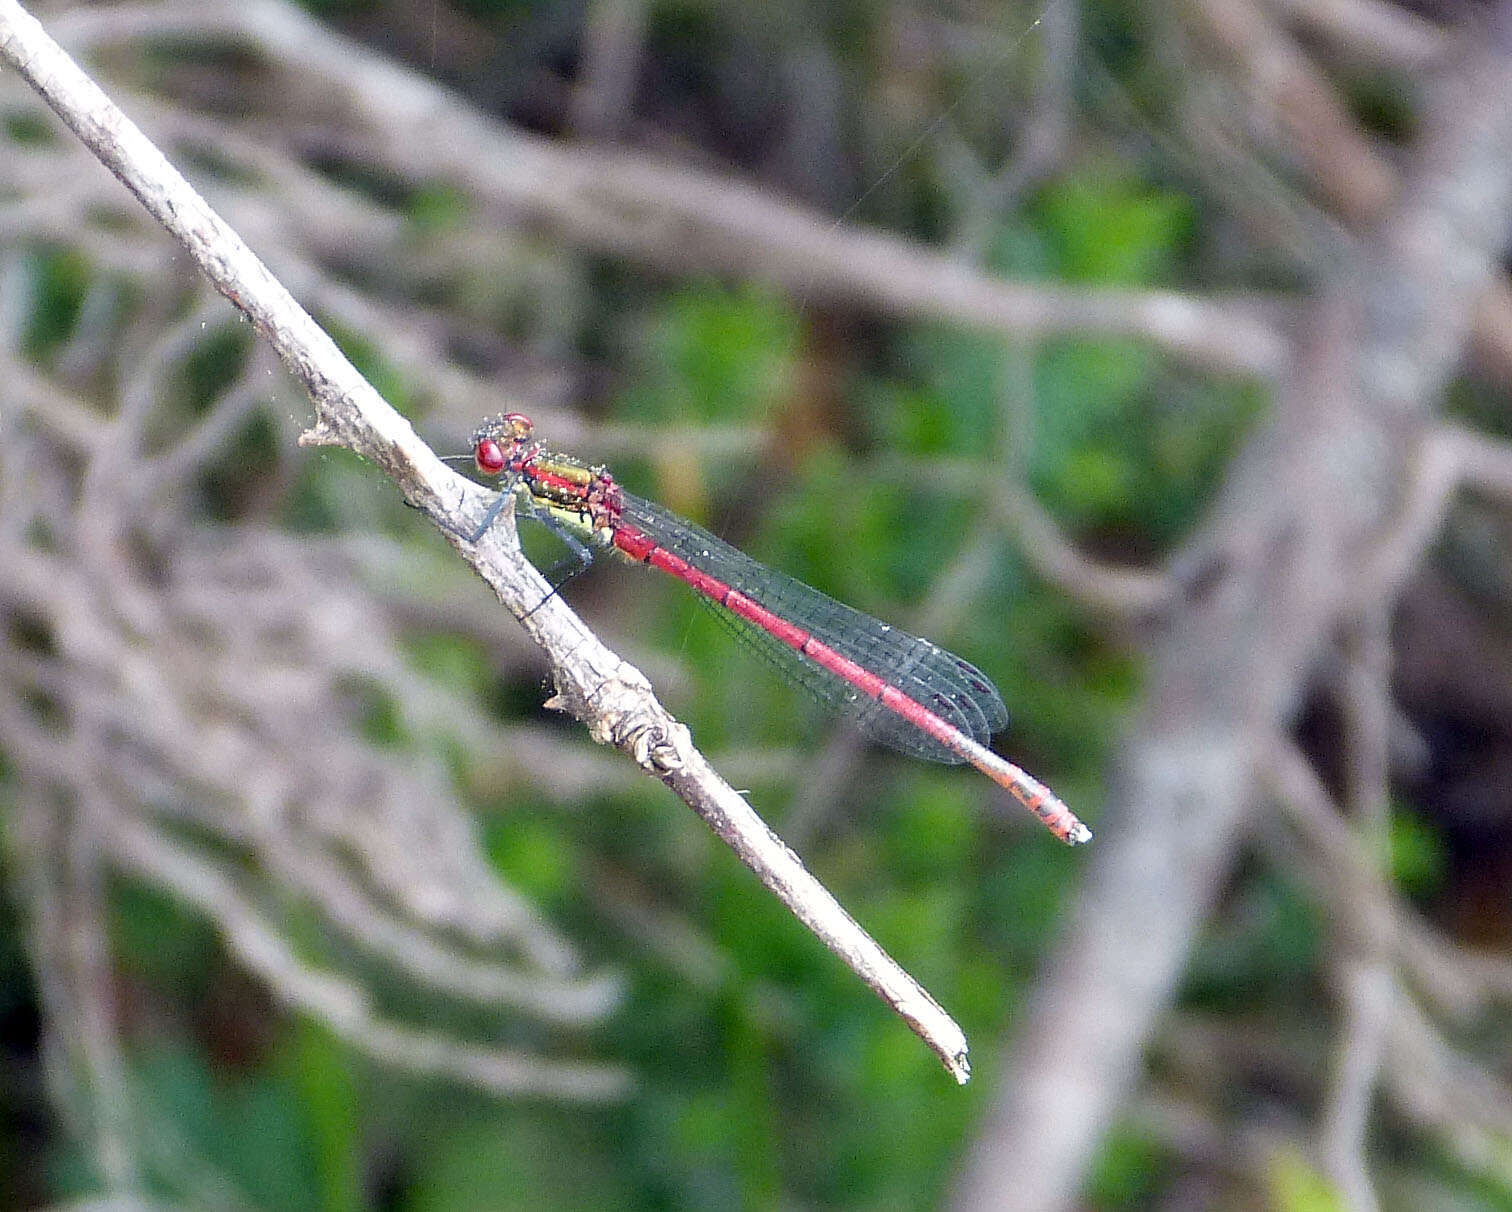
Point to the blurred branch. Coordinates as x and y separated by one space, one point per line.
59 854
338 1003
1468 1107
1422 1075
1283 85
612 46
1042 142
346 905
285 781
1388 1042
680 219
1124 591
1274 572
1208 143
1447 458
1349 879
611 697
1363 975
1373 30
1493 333
1483 463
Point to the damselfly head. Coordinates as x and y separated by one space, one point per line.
489 456
496 441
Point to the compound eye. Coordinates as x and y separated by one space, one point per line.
489 456
518 424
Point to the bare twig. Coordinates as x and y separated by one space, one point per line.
611 697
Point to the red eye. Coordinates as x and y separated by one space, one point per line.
489 456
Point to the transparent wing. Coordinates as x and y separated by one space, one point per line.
953 689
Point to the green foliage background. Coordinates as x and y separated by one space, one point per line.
770 1077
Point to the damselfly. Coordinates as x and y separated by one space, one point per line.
898 689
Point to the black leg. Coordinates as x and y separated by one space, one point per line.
491 516
580 557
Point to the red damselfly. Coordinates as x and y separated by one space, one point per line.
900 690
